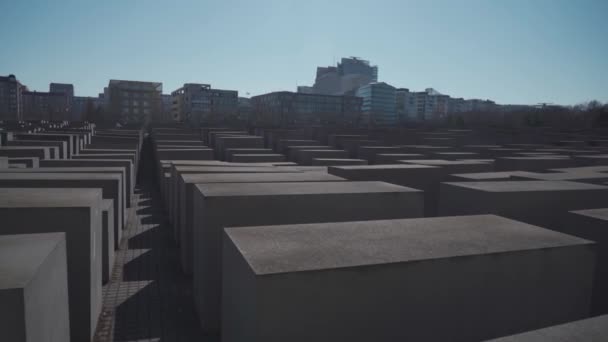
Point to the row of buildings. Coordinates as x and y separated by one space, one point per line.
348 93
121 101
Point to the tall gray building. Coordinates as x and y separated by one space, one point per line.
68 91
134 101
344 79
379 104
196 103
11 103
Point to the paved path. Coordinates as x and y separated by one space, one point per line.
148 298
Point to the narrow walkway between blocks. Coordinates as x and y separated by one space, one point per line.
148 297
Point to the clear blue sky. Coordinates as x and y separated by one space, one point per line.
513 51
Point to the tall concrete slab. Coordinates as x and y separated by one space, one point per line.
592 224
242 204
188 182
77 213
466 278
34 288
542 203
110 185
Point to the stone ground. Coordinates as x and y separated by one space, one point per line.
148 297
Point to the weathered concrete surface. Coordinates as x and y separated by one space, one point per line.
187 183
110 184
184 154
34 288
337 161
59 151
591 329
538 163
258 158
592 224
475 277
242 204
127 165
77 213
108 240
543 203
305 157
25 151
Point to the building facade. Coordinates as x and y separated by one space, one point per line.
134 101
45 106
197 103
379 104
88 108
11 102
286 108
405 105
343 79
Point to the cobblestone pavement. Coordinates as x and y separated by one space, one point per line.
148 297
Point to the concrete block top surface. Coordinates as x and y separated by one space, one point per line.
600 214
383 167
593 329
59 176
441 162
21 256
299 188
528 186
229 169
49 197
488 175
320 246
259 177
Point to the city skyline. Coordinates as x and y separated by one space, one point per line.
549 53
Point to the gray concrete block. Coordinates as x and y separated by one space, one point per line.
421 177
188 182
592 224
244 204
591 329
231 151
284 144
105 170
542 203
28 162
393 158
108 240
538 163
225 142
293 151
77 213
455 155
352 146
59 150
305 157
258 158
126 164
337 161
4 163
369 152
466 278
175 185
39 152
34 288
455 166
591 160
184 154
67 138
110 184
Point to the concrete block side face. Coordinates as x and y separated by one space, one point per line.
83 245
239 305
12 315
591 329
596 230
46 300
110 242
471 298
216 213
